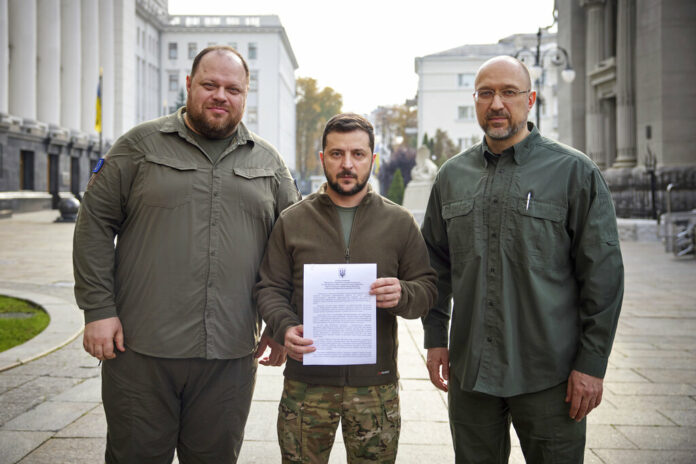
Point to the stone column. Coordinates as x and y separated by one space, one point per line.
124 60
106 60
625 85
90 63
4 57
48 89
594 54
71 64
22 28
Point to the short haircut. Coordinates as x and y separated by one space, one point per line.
349 122
219 49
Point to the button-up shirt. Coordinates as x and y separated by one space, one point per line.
528 249
190 236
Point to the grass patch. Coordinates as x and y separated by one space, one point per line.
14 330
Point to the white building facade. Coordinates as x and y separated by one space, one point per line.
51 52
446 87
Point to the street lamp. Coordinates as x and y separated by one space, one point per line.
557 56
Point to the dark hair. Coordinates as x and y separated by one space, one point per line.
218 48
348 122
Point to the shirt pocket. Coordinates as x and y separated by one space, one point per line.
461 227
254 190
167 183
536 234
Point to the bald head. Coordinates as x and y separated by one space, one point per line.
508 67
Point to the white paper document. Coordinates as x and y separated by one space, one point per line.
340 315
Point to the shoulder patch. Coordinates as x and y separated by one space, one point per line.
98 166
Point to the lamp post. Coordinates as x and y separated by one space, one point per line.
556 56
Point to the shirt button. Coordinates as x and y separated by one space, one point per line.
495 200
492 271
494 235
502 171
214 224
210 283
212 253
215 194
490 303
489 339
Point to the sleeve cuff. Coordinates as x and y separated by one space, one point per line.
590 364
434 337
106 312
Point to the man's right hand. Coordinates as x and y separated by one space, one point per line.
438 367
101 336
296 345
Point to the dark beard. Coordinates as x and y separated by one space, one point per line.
205 128
337 188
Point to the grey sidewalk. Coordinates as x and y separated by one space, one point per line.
50 410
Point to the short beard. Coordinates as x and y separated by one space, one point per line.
212 131
512 130
334 185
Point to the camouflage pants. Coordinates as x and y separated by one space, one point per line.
308 417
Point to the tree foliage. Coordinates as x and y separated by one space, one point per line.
396 189
402 160
397 125
441 146
314 107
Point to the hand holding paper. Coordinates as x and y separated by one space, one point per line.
296 345
387 290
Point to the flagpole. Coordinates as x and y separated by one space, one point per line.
101 147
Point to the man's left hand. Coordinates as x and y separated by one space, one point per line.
584 393
387 290
278 352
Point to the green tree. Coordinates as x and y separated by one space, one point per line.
313 108
442 147
397 124
396 189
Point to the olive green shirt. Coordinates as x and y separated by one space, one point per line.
528 249
190 238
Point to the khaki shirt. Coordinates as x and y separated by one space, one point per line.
528 248
190 236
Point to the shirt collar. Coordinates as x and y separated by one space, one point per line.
519 151
174 123
327 199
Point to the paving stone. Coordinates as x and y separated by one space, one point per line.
620 374
668 375
423 406
654 362
9 411
631 388
68 451
661 438
91 425
9 380
610 416
679 417
425 433
607 436
49 416
609 456
653 402
87 391
256 452
262 430
416 385
268 388
39 389
15 445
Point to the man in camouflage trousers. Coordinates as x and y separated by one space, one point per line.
344 222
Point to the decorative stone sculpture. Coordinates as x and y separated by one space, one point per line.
418 189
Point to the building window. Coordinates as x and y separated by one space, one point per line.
173 82
252 51
193 48
466 80
253 81
172 50
252 115
465 112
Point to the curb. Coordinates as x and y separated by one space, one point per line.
65 326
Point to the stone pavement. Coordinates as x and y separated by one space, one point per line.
50 410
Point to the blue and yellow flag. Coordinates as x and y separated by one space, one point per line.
98 120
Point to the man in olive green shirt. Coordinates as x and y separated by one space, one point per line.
522 232
191 198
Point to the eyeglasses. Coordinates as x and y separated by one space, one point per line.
505 95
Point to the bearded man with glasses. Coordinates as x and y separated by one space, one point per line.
522 232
